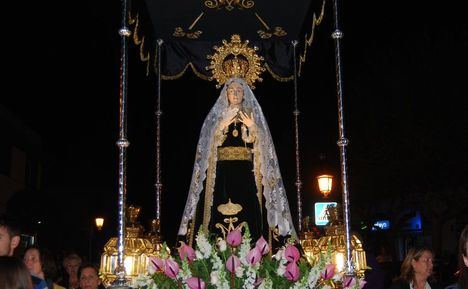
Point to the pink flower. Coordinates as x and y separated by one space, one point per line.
195 283
292 272
292 253
172 269
253 256
258 281
186 251
234 238
329 272
350 282
155 264
262 246
232 263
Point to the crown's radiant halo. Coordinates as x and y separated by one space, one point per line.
235 59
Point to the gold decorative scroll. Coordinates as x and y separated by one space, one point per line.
268 33
190 34
229 4
179 32
230 221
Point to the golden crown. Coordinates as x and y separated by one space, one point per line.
235 59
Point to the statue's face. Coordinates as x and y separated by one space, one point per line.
235 93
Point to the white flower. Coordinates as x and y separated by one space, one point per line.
281 269
338 277
142 281
185 273
217 262
239 272
203 246
250 280
279 255
244 250
223 281
222 245
313 277
214 277
266 284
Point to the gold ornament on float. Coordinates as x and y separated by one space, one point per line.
335 241
235 59
138 249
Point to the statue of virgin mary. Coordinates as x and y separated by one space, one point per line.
236 179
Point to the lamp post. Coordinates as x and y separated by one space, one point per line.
99 223
325 183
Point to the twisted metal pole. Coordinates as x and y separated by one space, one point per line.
158 184
296 113
122 143
342 141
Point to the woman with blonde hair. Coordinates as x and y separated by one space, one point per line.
71 264
416 270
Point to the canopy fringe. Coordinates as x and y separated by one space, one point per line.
316 21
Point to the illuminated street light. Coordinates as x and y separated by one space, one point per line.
99 223
325 184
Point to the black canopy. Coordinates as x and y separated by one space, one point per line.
190 29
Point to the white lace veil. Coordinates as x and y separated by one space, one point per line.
265 160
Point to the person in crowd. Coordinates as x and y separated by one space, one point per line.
9 235
375 276
384 255
13 274
41 264
89 277
71 264
416 270
462 272
384 258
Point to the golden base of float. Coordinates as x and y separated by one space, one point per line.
137 250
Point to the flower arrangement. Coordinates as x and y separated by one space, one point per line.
233 263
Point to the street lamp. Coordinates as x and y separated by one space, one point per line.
325 184
99 223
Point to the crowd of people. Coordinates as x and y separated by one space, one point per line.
37 269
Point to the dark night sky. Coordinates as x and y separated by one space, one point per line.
405 107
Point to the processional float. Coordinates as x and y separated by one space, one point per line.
276 29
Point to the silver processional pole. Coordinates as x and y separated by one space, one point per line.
122 143
342 141
296 113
